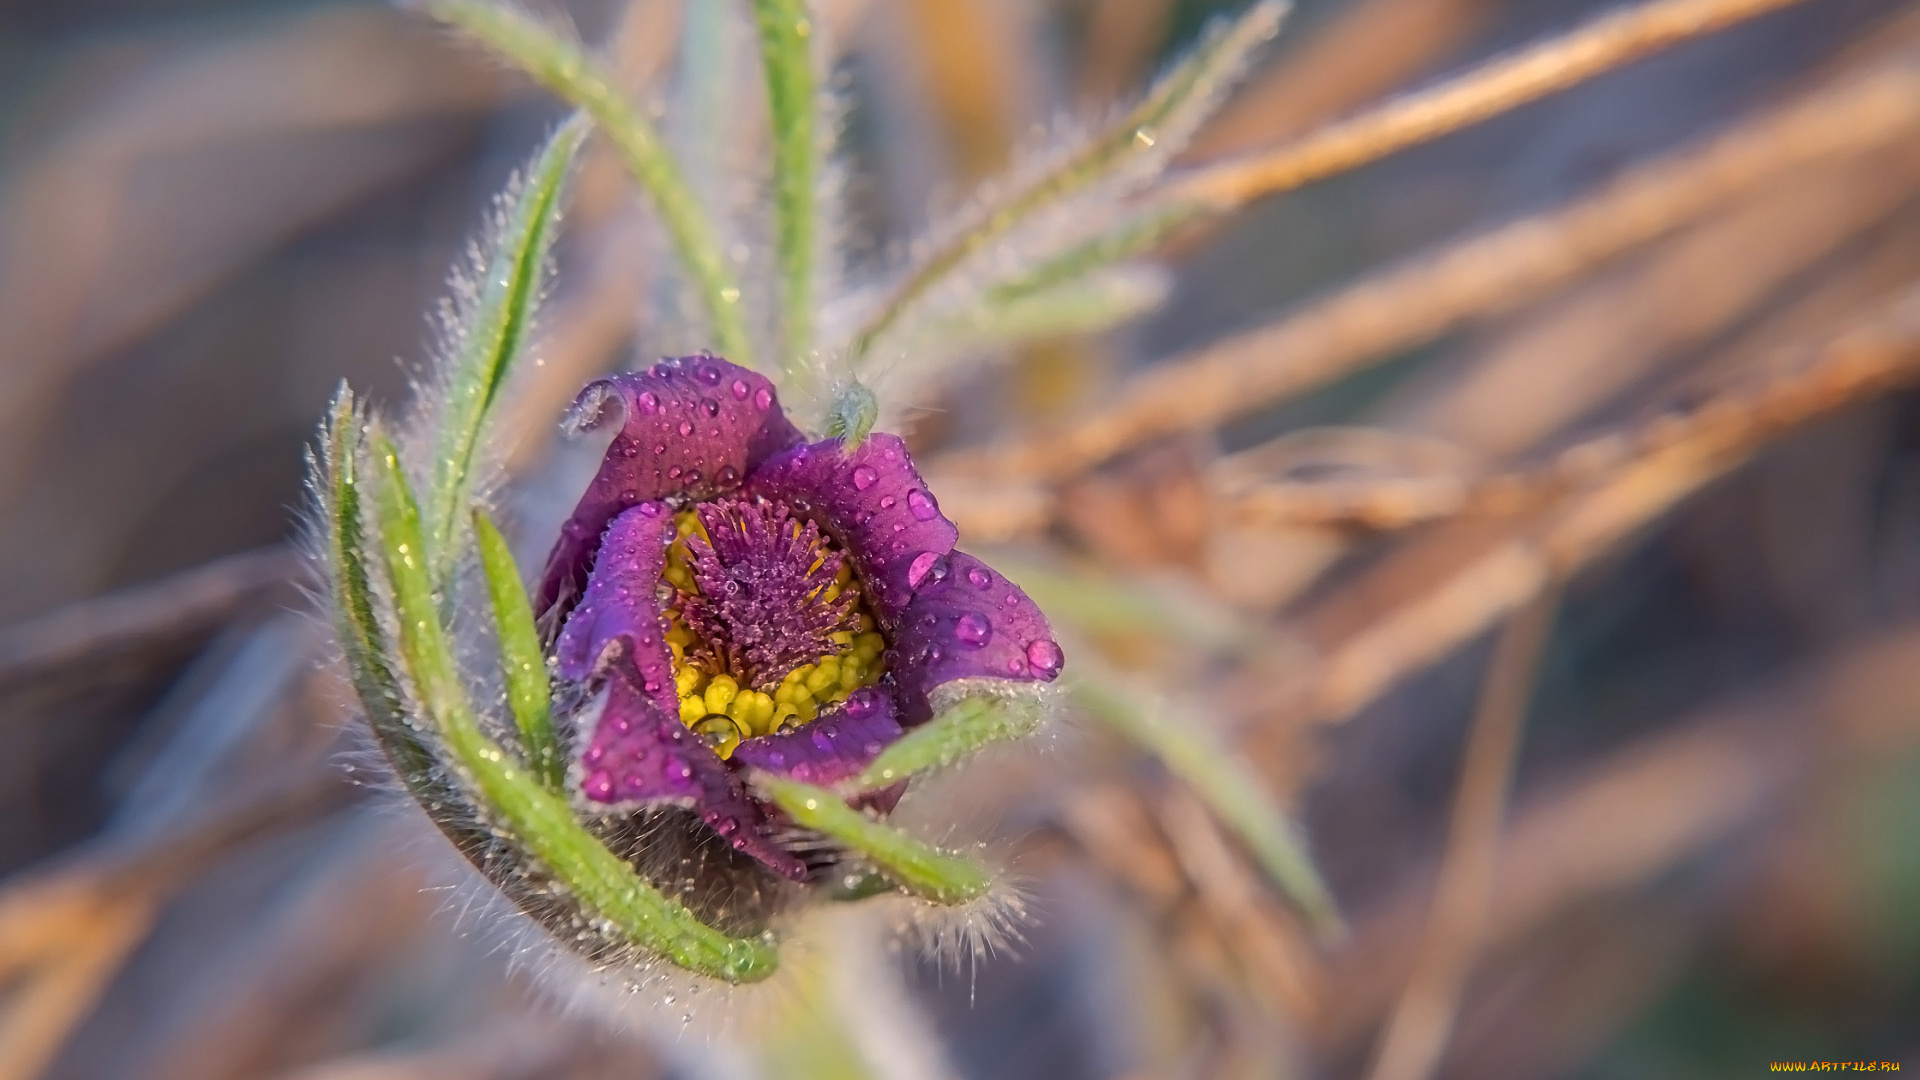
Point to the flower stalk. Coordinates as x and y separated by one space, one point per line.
563 67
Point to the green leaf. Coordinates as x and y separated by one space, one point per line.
786 35
500 319
340 485
511 797
1085 305
528 694
1146 134
1132 236
925 871
562 67
1224 784
962 728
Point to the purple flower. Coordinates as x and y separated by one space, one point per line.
741 598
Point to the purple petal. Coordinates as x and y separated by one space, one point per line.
690 427
831 749
638 756
967 622
874 503
618 620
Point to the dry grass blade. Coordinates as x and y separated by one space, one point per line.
58 950
1644 809
1881 352
1486 91
1490 272
183 604
65 930
1736 419
1417 1033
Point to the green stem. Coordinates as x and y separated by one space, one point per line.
561 66
925 871
786 35
540 820
1173 106
1225 785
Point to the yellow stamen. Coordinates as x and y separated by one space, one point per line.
722 711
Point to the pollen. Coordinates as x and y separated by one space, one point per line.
768 625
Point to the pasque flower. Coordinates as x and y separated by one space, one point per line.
744 643
737 599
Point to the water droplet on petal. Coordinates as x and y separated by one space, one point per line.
920 504
887 502
980 578
1045 657
973 628
864 477
763 400
649 402
728 474
917 570
710 406
686 428
660 448
674 473
740 389
709 374
599 786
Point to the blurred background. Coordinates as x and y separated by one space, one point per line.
1566 594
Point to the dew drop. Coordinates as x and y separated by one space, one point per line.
1045 657
728 474
674 472
660 448
686 428
864 477
980 578
649 402
710 406
973 628
709 374
599 785
763 400
920 504
887 502
740 389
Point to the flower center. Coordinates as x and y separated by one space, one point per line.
767 625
